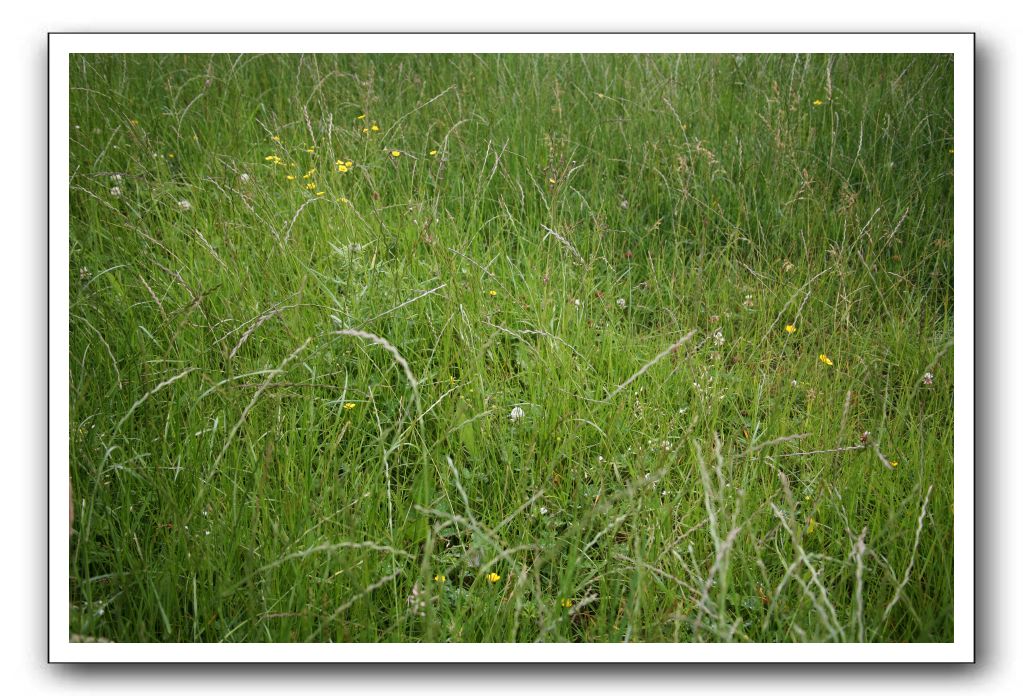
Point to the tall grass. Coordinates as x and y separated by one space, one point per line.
291 412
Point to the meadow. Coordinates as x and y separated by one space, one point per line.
472 348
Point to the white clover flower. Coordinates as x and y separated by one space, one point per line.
543 510
115 177
928 378
577 302
620 302
516 413
184 205
244 178
115 191
719 338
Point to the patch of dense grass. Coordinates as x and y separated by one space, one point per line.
527 232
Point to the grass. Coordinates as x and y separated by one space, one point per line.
291 413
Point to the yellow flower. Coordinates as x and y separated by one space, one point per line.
374 128
395 153
825 359
311 186
273 158
433 153
290 177
320 193
789 328
440 578
893 463
365 130
342 199
349 406
342 168
360 117
492 293
276 138
133 121
310 150
348 163
493 577
309 174
551 180
566 603
817 102
170 155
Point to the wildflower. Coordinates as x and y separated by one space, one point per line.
374 128
341 167
440 578
342 199
184 205
624 204
311 186
748 301
578 303
493 577
551 180
719 338
115 191
360 117
348 163
517 413
311 150
132 121
365 130
116 177
893 463
492 293
789 328
620 302
244 178
349 406
290 177
309 174
170 155
274 159
276 138
928 378
566 603
825 359
320 193
817 102
395 153
84 274
787 266
433 153
543 510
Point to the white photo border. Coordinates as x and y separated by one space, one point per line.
960 45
